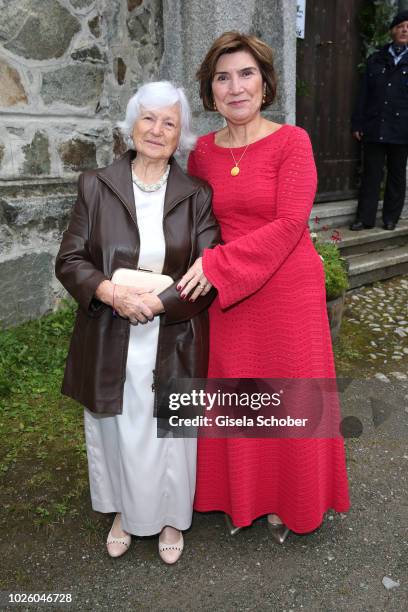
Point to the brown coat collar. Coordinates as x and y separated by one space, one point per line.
119 178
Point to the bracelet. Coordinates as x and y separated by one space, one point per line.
113 301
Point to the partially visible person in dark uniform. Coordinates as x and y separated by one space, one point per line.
380 122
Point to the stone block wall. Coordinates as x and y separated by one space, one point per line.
190 26
67 70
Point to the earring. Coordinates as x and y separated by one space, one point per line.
264 95
215 106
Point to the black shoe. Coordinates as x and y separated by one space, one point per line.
357 226
389 225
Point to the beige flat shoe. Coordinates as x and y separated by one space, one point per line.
117 546
170 553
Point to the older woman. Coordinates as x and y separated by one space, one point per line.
143 212
269 319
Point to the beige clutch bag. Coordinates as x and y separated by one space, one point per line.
143 279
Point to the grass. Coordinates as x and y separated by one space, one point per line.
349 350
31 367
42 454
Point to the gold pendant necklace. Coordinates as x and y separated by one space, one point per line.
235 169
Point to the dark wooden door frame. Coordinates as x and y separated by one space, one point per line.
327 80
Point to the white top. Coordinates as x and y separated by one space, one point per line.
149 214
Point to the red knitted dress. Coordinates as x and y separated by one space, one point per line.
268 321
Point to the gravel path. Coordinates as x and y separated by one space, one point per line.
384 311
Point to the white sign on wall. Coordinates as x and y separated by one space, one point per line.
300 18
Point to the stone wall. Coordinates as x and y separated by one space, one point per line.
67 70
196 24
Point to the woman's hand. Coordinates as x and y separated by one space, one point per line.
129 304
153 302
195 279
126 301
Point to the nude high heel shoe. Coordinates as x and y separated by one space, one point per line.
230 525
279 531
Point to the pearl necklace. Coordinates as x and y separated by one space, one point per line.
154 186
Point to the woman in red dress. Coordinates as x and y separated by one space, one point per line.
269 319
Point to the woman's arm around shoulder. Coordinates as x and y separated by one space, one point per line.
200 157
191 164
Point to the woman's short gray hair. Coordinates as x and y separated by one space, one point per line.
156 95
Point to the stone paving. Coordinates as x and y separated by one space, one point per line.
381 310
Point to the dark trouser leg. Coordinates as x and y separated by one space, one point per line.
394 195
373 169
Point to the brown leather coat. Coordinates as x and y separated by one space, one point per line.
102 236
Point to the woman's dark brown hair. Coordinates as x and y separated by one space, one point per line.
230 42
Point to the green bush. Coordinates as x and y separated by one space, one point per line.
335 269
374 19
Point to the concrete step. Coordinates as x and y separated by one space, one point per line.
373 255
379 265
335 214
368 241
332 214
